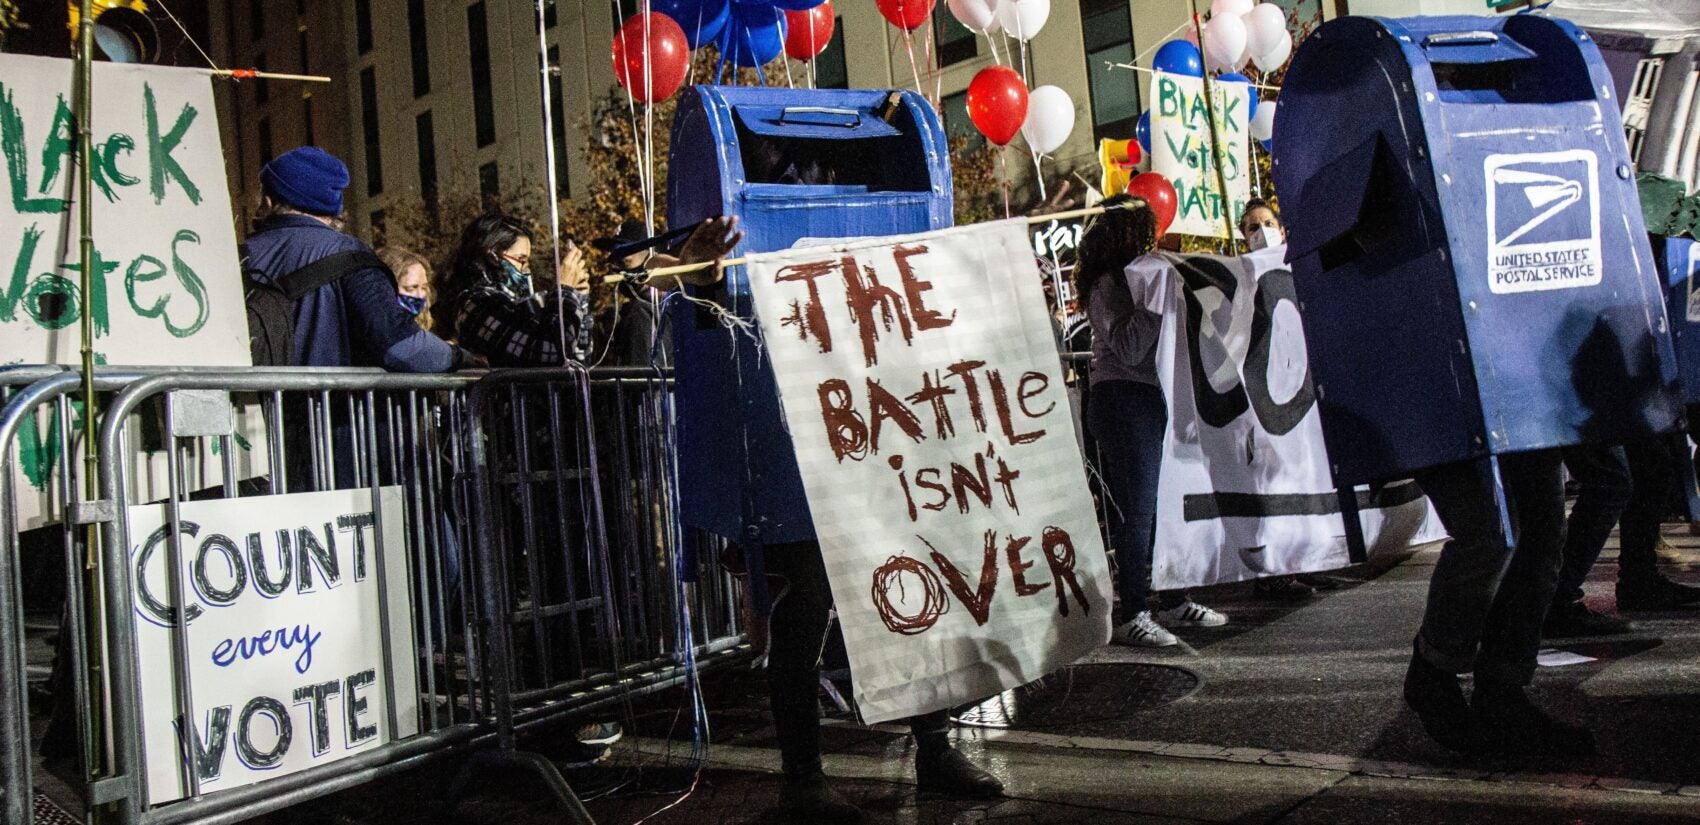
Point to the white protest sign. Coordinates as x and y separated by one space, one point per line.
167 286
923 393
1182 150
1245 489
285 635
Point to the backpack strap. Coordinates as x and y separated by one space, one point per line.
328 269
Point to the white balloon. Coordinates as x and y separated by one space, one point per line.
1023 18
976 15
1264 27
1224 42
1262 124
1275 59
1230 8
1050 119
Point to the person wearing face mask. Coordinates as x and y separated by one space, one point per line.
1260 225
492 308
414 290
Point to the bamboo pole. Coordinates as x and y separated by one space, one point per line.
683 269
256 74
95 748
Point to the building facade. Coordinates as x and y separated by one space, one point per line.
432 96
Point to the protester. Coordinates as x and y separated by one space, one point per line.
414 290
1127 415
1261 226
353 319
492 308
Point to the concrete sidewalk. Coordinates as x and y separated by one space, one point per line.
1289 714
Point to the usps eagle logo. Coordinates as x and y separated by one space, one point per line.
1543 219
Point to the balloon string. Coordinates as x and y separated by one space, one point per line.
788 83
1038 172
1003 170
934 73
909 46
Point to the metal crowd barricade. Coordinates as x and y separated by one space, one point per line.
579 552
363 429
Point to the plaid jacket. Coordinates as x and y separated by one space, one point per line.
512 328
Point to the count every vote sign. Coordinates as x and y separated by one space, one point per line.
286 602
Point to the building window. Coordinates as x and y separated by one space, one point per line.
301 8
262 88
955 42
550 17
306 118
489 182
265 136
378 221
369 124
558 119
483 108
426 137
954 110
1107 29
301 42
363 25
256 19
624 11
830 71
421 51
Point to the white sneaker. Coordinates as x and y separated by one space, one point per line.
1143 631
1192 614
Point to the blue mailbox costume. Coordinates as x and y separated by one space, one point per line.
1477 289
795 166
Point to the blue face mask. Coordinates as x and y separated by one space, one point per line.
517 278
414 304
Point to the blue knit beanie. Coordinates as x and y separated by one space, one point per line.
307 178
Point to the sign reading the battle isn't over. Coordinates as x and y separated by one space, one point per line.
923 393
166 285
287 599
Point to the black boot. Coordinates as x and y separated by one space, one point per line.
1515 727
1438 701
809 799
947 772
1572 619
1654 592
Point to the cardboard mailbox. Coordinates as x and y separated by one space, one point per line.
796 167
1467 244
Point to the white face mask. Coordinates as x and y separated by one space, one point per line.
1264 237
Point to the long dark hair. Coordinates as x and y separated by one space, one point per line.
1126 230
478 258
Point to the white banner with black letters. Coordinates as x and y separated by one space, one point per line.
1245 489
925 400
290 602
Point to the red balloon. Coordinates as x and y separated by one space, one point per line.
669 56
907 15
808 32
997 103
1160 193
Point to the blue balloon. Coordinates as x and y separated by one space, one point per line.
1142 132
1236 77
702 20
760 33
1268 146
1179 57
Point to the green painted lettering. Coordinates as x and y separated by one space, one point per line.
17 161
161 165
191 284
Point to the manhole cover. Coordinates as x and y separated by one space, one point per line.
1082 694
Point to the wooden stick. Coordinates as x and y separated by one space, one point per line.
1114 65
682 269
256 74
